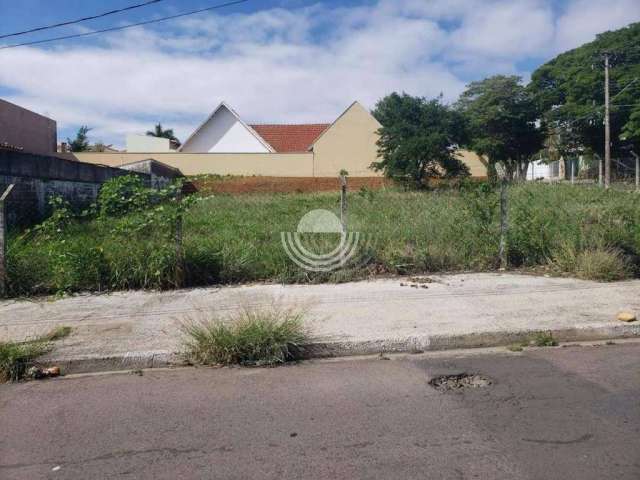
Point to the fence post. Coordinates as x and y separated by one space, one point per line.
3 241
600 170
179 272
637 157
502 252
343 213
343 202
573 171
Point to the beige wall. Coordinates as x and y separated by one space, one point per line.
350 144
267 164
477 166
146 143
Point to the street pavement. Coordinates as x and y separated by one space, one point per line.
550 413
394 314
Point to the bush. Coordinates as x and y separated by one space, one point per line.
124 194
251 337
605 265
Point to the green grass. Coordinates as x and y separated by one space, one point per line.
254 337
16 357
232 239
544 339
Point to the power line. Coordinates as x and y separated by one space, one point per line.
84 19
113 29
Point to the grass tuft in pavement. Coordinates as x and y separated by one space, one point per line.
58 333
15 357
251 337
544 339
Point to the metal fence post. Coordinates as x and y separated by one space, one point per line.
343 213
637 157
573 171
343 202
502 251
179 273
3 241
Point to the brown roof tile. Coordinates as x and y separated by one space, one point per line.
290 138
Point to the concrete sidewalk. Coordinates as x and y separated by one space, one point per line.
141 329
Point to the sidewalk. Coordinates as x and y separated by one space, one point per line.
141 329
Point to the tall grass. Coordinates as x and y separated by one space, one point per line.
252 336
231 239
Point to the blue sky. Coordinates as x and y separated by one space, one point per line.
276 60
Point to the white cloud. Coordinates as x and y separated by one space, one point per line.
293 65
583 19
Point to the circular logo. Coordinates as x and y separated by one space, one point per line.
320 221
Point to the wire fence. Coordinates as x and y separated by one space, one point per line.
589 170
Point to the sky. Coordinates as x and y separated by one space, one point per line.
275 60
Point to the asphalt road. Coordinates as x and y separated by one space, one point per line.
556 413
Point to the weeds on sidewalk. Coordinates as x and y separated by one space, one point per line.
544 339
252 337
15 357
58 333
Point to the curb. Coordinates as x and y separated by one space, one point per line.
416 344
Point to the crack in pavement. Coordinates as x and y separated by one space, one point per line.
581 439
119 454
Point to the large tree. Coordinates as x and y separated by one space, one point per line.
81 142
418 138
159 132
631 130
570 91
503 122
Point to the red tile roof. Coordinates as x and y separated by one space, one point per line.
290 138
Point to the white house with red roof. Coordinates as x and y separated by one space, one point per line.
225 132
224 144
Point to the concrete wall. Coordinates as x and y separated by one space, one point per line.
38 177
267 164
28 130
146 143
350 144
160 174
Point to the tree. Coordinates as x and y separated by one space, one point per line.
81 142
631 130
502 118
418 138
569 90
159 132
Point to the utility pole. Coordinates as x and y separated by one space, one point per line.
607 125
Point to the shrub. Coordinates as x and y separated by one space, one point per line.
121 195
251 337
603 264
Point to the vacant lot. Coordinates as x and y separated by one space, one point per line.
583 231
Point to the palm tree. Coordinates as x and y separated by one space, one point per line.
159 132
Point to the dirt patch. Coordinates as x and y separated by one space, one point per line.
459 381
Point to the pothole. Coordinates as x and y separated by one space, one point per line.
458 381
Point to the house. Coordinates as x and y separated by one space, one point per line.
26 131
225 144
348 143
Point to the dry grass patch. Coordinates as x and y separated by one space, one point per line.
605 265
250 337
